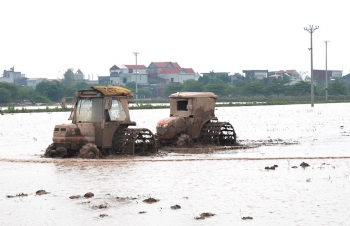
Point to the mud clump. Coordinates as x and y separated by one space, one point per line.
204 215
142 212
101 206
271 167
89 195
103 215
175 207
18 195
150 200
42 192
74 197
184 141
304 164
247 218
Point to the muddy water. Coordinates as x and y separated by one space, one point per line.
231 184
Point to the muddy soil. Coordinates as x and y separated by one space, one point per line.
186 147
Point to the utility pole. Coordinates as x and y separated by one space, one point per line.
311 30
326 72
136 53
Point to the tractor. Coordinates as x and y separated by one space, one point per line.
100 126
192 116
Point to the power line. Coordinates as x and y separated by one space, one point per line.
311 30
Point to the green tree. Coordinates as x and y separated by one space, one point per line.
144 92
5 95
29 94
301 88
204 79
68 77
12 88
192 85
53 90
253 89
338 87
172 88
225 78
217 88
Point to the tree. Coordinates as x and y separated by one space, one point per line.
53 90
5 95
204 80
217 88
338 87
68 77
225 78
301 88
172 88
192 85
12 88
253 89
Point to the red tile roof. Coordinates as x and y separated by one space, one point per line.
130 66
114 67
189 70
175 70
165 64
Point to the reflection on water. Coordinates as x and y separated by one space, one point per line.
230 184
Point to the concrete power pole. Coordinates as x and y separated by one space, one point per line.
326 72
311 30
136 53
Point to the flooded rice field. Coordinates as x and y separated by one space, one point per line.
266 184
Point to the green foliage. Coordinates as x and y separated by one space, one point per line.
204 80
217 88
338 87
172 88
144 92
53 90
192 85
5 95
68 77
8 92
300 88
254 88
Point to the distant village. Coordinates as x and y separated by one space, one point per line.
159 74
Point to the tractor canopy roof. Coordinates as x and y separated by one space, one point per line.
112 90
188 95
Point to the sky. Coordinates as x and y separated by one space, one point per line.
42 39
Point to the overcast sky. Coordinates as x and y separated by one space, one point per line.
42 38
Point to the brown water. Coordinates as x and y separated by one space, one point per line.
230 184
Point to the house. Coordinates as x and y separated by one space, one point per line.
177 74
155 67
13 77
293 75
33 82
168 72
122 74
258 74
319 76
346 79
78 76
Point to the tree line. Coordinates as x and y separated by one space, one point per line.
46 92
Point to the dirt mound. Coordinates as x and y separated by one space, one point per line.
41 192
150 200
184 141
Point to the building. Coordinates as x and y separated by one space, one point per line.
177 75
320 76
293 75
155 67
78 76
258 74
13 77
33 82
122 74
